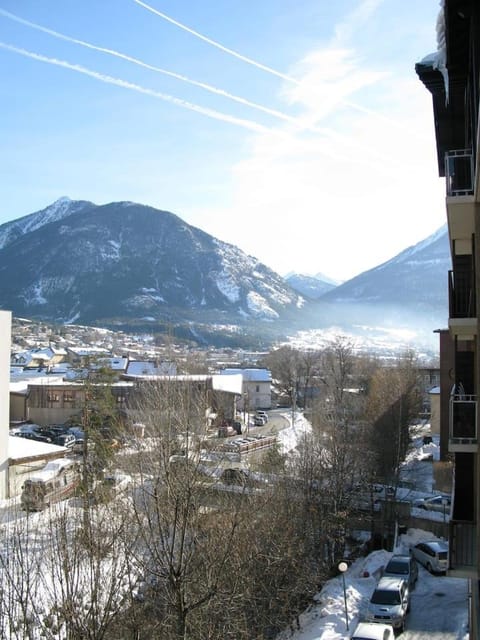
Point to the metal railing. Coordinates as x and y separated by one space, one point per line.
459 172
461 294
463 418
462 545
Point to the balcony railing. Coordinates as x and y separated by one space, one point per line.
461 294
459 172
463 419
462 546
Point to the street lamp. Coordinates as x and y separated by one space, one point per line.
444 504
342 567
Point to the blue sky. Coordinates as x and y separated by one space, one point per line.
324 161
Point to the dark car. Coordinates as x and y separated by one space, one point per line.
402 566
235 476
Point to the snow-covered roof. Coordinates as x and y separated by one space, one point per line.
21 448
151 368
87 351
219 382
116 364
250 375
231 384
20 383
51 470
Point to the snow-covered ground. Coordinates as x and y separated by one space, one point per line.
439 604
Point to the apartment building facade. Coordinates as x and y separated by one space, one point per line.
452 75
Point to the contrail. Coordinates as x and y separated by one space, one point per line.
244 101
214 43
211 113
259 65
141 63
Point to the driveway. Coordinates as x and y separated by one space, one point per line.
439 608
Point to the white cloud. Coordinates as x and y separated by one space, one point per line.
357 190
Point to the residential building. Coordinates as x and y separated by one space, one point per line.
256 388
452 76
216 396
430 378
60 401
5 339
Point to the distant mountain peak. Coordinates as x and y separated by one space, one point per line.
61 208
414 277
312 287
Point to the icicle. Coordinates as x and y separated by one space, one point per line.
440 61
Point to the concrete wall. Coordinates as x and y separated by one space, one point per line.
5 341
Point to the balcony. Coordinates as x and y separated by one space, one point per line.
462 560
462 320
459 173
463 423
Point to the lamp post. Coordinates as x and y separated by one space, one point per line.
342 567
444 504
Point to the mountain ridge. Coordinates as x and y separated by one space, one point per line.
95 263
127 264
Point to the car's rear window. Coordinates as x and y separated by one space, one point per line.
381 596
397 567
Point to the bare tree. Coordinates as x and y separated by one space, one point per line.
183 548
56 583
394 400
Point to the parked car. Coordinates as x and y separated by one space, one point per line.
78 432
117 481
234 476
433 554
259 421
403 567
34 435
439 503
262 414
390 602
25 428
65 440
373 631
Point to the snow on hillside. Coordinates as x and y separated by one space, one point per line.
58 210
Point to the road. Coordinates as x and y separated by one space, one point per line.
439 608
276 422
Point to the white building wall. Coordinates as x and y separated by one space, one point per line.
5 341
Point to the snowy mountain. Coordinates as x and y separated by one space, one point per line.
125 262
309 286
415 278
125 265
61 208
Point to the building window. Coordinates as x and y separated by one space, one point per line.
53 397
257 388
68 396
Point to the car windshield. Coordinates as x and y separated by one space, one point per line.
442 555
397 567
381 596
